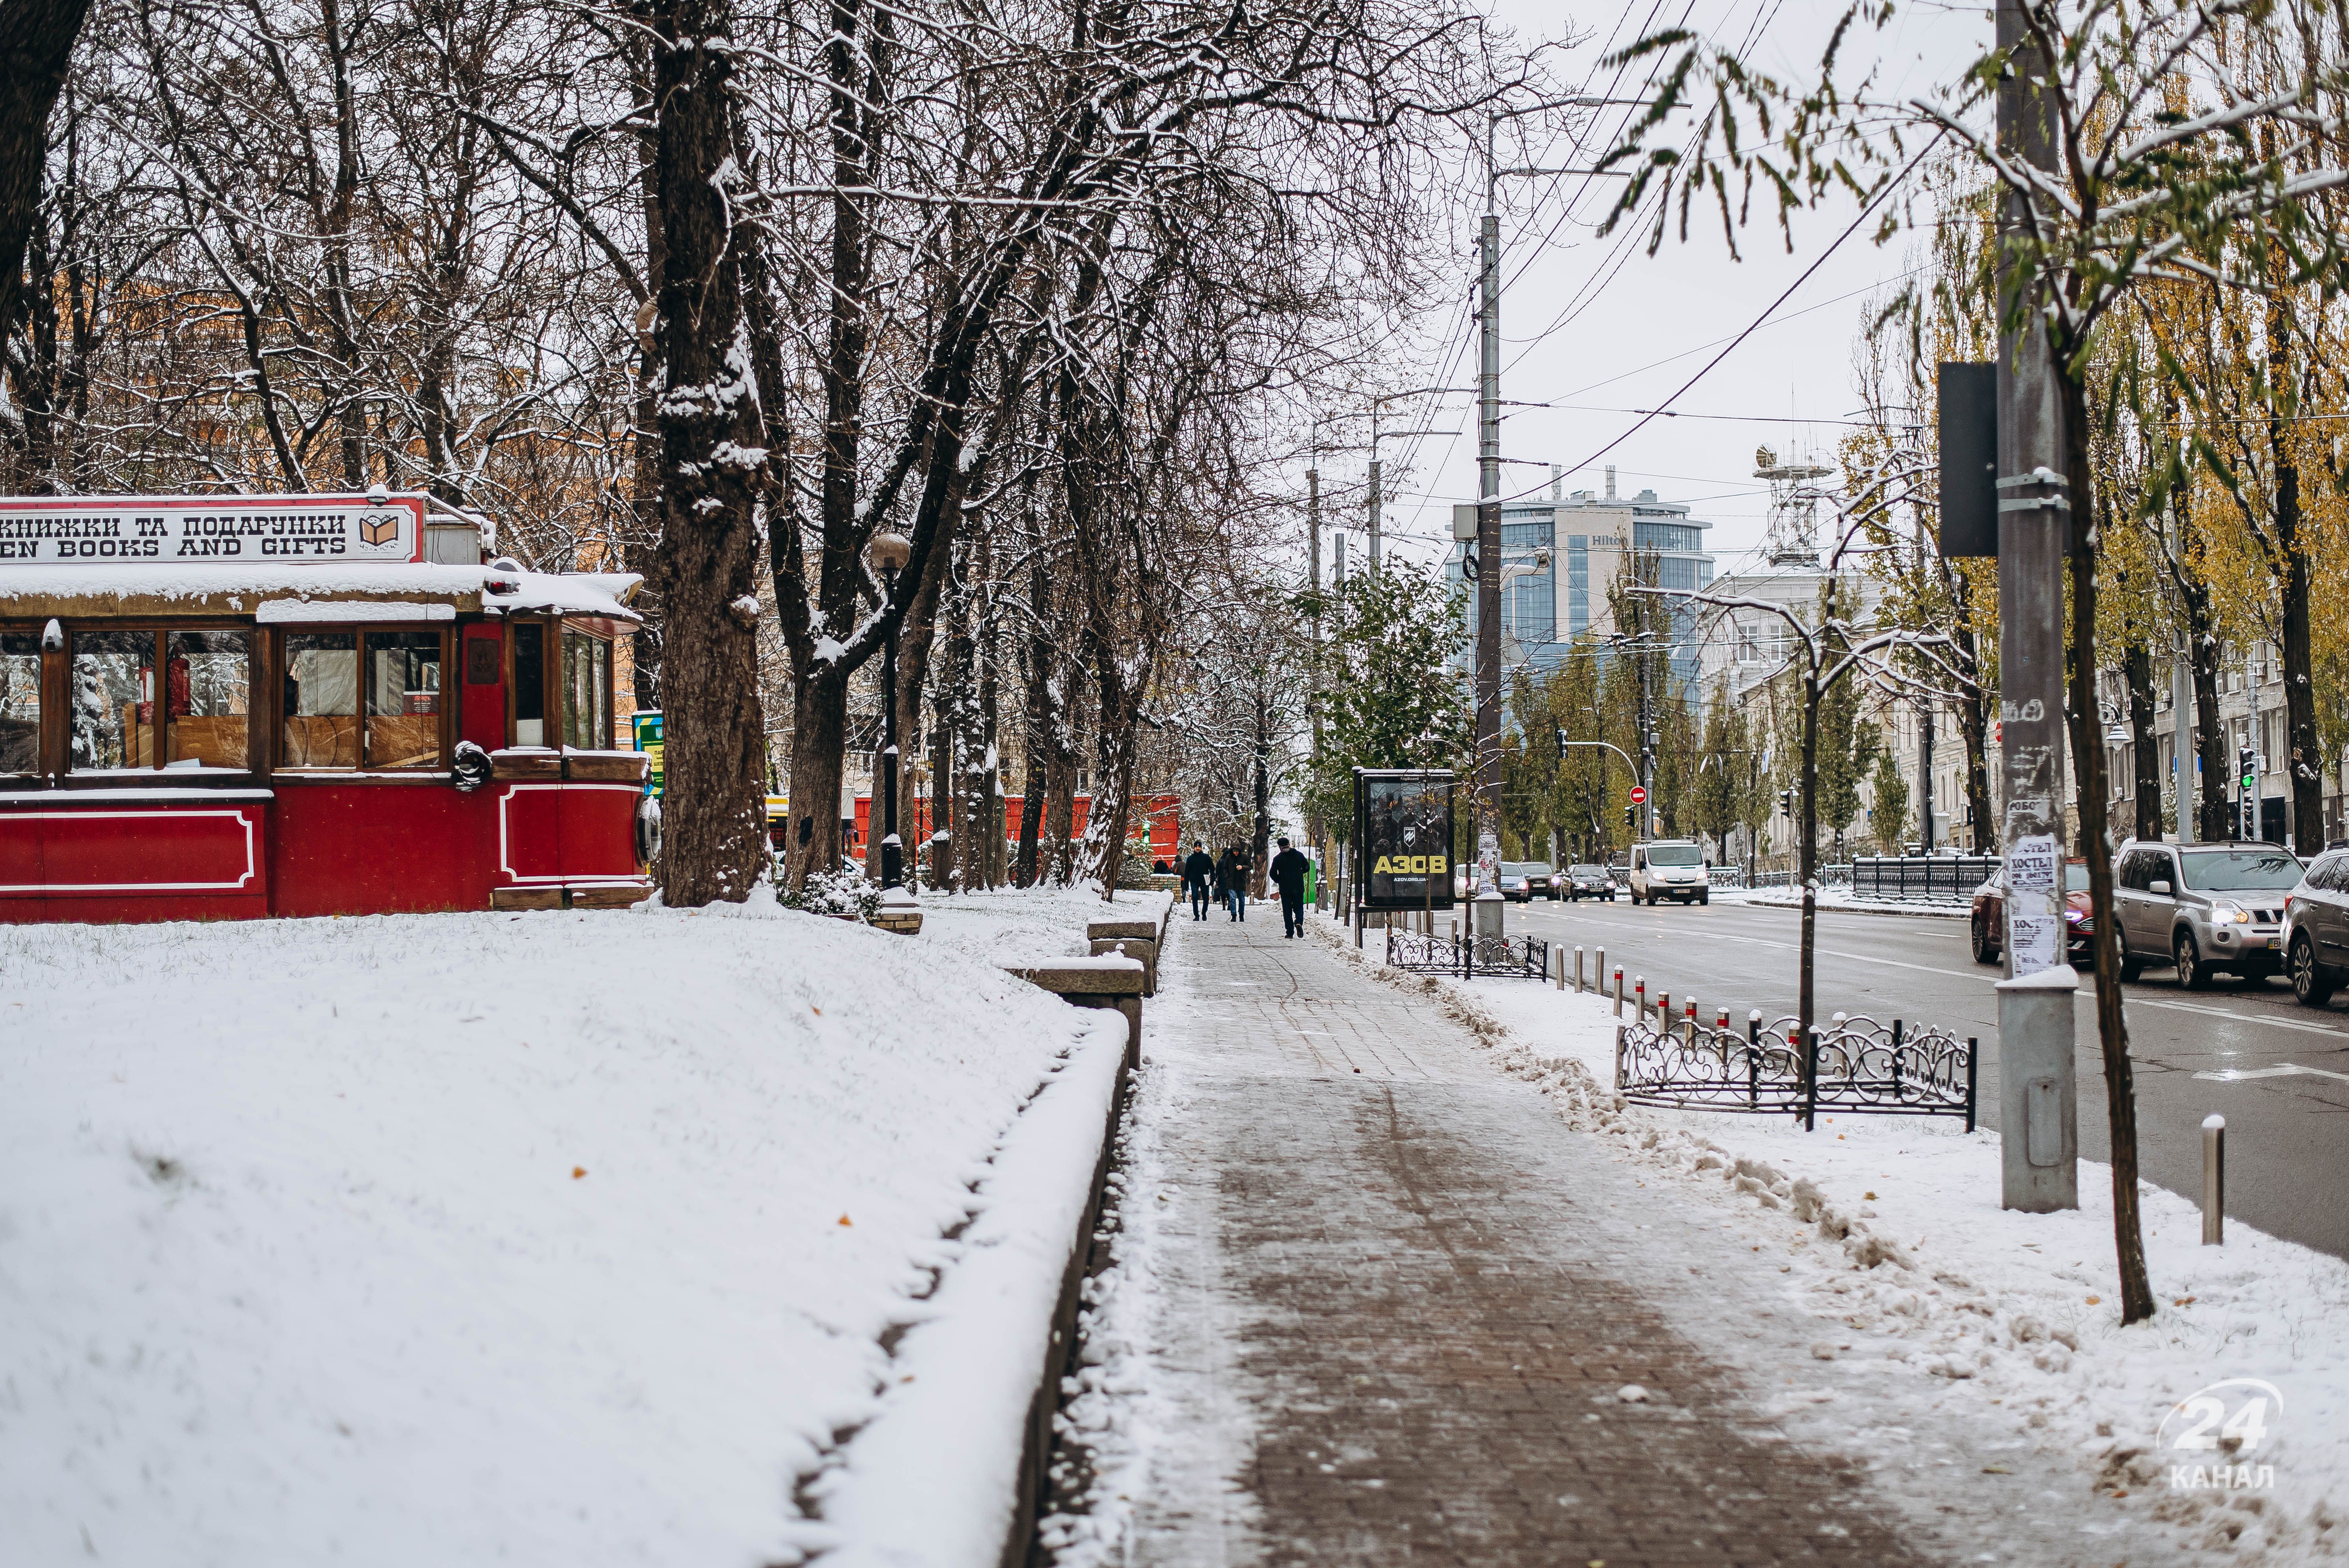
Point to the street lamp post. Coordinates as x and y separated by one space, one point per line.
889 553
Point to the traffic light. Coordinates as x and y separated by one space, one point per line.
1560 733
2246 761
1629 822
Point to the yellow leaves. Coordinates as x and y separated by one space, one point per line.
577 1172
843 1219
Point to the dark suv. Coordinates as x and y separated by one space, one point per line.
2316 929
2203 908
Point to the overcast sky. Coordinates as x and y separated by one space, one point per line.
1597 328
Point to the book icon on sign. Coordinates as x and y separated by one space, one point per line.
379 528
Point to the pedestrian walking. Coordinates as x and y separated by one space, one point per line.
1289 869
1231 883
1199 878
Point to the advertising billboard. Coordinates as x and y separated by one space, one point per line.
1403 830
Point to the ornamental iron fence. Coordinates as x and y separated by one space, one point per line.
1921 879
1855 1066
1501 957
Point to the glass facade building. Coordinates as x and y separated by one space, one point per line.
1543 613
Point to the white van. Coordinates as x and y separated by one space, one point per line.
1669 868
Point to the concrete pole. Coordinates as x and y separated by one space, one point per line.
1488 899
2039 1127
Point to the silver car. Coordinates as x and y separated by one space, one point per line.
2203 908
2316 929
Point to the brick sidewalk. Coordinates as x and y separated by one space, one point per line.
1402 1298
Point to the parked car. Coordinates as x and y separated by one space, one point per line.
1670 868
2316 929
1589 881
2203 908
1988 922
1526 880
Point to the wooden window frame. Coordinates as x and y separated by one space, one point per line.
599 629
447 713
546 725
50 695
56 722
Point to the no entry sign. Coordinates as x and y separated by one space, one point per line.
1638 795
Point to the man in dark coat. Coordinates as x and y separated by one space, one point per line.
1289 869
1198 877
1231 881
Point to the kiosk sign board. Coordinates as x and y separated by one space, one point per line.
1403 822
645 733
223 531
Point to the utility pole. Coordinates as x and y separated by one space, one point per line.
1376 495
1489 903
2038 1123
1315 831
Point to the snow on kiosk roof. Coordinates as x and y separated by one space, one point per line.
224 705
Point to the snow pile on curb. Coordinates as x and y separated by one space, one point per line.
1893 1239
555 1237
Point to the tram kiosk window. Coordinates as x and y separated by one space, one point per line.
20 702
361 698
112 686
403 699
587 691
528 687
197 716
321 727
208 678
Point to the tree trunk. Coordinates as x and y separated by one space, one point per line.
2137 665
2210 728
1260 842
1061 805
715 816
2096 846
2299 661
36 41
1037 724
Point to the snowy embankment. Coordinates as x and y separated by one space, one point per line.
644 1236
1893 1239
1015 926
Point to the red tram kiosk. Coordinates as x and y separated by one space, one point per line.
230 706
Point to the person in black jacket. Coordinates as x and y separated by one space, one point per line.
1231 883
1289 869
1198 877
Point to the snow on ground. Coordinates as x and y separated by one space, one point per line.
1894 1239
550 1237
1013 925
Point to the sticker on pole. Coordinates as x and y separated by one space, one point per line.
2035 941
1638 795
2031 864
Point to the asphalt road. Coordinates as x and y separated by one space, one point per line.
2287 1143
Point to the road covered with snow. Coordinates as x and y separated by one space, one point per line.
728 1236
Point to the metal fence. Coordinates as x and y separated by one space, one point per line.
1855 1066
1921 879
1502 957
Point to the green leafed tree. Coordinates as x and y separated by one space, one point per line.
1888 818
1393 697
